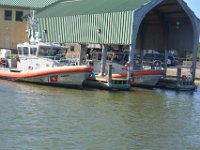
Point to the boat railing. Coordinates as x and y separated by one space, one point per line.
68 61
61 61
120 58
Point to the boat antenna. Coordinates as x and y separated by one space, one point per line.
33 33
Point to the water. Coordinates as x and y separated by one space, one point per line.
35 117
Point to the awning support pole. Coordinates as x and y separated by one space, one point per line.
103 60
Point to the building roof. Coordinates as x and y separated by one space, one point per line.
26 3
78 21
85 7
83 17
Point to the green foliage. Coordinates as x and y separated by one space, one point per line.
189 54
199 48
198 55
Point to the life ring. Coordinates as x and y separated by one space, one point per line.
54 79
184 77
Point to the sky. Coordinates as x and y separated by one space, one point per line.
195 6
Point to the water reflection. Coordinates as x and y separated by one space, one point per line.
42 117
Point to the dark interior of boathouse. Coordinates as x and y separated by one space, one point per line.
169 26
166 27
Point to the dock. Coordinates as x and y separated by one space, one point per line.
104 82
180 82
173 84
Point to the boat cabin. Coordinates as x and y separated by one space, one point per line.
40 55
41 50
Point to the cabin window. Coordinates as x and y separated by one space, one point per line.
126 58
47 51
118 57
20 51
25 51
44 51
99 56
109 57
8 15
71 48
33 50
56 51
19 15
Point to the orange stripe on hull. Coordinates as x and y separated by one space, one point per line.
139 73
119 75
36 73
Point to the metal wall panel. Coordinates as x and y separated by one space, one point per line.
107 28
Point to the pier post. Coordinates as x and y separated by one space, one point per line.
194 59
165 62
81 52
130 61
110 72
178 75
195 24
103 59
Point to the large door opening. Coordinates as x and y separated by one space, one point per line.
166 27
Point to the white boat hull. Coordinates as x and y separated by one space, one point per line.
68 79
142 77
146 80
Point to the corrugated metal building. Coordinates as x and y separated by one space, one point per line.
145 24
90 21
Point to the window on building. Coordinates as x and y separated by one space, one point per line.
8 15
19 15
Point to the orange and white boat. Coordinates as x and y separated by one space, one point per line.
38 63
42 63
139 76
145 78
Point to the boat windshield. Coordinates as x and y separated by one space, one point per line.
120 58
49 51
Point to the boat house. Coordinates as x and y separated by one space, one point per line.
12 27
139 24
